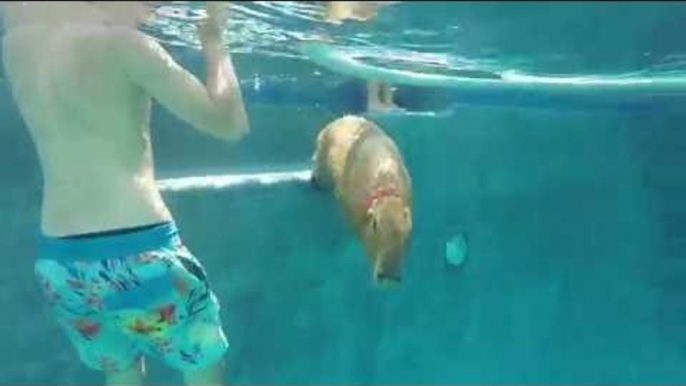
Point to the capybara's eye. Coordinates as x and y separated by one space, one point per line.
374 224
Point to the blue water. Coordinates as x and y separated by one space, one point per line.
573 212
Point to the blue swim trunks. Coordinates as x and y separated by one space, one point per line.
120 297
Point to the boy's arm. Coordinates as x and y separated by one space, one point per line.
215 108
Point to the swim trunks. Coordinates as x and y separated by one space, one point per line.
125 295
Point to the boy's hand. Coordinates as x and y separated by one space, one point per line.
210 30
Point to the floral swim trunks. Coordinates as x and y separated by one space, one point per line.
120 297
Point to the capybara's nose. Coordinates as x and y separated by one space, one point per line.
387 281
388 268
388 272
383 277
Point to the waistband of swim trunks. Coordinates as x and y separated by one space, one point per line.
109 246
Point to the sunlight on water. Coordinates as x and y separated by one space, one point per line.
449 38
276 28
268 28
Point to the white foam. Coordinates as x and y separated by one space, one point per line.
224 181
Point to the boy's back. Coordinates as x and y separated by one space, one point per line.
89 124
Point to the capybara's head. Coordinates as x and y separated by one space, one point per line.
385 236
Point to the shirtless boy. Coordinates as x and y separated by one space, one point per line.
112 265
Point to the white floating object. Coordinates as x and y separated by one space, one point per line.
456 250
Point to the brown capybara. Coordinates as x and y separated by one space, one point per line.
365 169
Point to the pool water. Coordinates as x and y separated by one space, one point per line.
574 218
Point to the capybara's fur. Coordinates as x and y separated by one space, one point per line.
366 171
